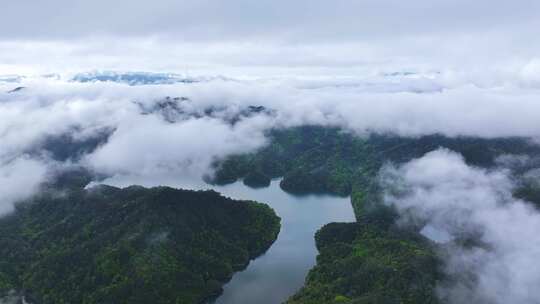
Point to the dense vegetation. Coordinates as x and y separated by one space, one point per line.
256 179
311 159
372 260
529 192
362 263
132 245
161 245
314 159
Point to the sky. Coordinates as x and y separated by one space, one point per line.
272 38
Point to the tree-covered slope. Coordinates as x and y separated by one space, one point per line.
132 245
371 261
311 160
162 245
315 159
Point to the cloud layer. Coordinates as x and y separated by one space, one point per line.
458 68
496 264
19 178
148 135
237 19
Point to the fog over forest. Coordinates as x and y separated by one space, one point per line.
157 94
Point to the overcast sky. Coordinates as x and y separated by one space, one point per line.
294 21
241 36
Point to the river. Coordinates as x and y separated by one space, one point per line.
280 272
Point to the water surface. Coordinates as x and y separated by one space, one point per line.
281 271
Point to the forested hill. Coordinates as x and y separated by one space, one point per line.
162 245
373 260
132 245
315 159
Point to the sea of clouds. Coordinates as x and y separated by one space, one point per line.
153 138
412 68
145 145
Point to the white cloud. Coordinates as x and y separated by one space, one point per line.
411 68
144 147
440 190
19 179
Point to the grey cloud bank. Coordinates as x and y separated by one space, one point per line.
492 38
237 19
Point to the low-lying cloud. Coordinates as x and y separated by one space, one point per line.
494 245
147 135
412 68
19 178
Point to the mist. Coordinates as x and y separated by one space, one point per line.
165 132
20 178
493 247
189 83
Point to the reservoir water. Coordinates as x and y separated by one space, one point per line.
280 272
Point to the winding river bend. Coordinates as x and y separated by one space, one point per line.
281 271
